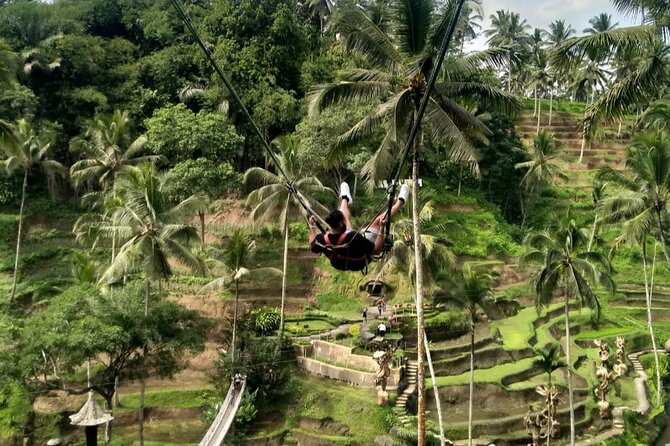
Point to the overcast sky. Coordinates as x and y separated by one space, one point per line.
539 13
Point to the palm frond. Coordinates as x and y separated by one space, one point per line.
325 95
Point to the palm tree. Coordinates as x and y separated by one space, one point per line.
273 200
640 83
8 64
657 116
403 436
109 148
644 194
470 22
472 291
548 361
436 256
542 167
153 232
396 69
151 227
233 267
24 149
320 9
600 23
558 32
597 196
510 31
638 234
566 267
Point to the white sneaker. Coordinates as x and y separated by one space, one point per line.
404 193
345 192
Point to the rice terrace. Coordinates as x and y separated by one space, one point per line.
334 222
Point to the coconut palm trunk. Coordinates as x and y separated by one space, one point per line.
18 236
143 382
201 216
232 345
593 231
418 267
569 365
436 393
284 272
648 290
472 374
509 75
539 116
661 234
534 101
551 104
581 152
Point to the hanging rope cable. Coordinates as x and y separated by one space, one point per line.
446 41
288 181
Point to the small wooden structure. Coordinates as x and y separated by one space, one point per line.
91 415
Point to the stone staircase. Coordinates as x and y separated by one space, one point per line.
400 409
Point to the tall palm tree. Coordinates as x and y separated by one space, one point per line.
510 31
272 199
232 266
8 64
472 291
395 73
600 23
23 149
548 361
542 167
320 9
436 256
153 231
559 32
644 195
597 196
470 22
109 148
641 83
564 266
638 234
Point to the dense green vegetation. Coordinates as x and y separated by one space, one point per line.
151 249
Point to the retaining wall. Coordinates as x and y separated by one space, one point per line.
318 358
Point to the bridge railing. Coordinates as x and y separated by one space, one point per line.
223 409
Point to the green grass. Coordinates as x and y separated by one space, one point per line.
575 108
605 332
165 432
493 375
308 326
357 408
174 398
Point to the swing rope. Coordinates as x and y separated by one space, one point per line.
446 41
288 181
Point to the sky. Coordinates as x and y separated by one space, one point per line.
539 13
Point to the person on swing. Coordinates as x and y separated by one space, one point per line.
349 250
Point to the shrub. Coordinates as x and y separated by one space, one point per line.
355 331
265 320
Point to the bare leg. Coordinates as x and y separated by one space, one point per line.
344 208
